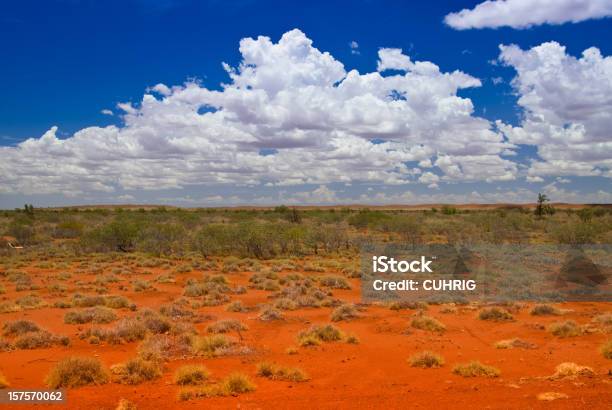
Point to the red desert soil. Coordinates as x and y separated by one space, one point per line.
372 374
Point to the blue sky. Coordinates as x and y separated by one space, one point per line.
64 62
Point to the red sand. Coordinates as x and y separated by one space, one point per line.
372 374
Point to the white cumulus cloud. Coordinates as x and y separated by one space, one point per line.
521 14
567 107
318 123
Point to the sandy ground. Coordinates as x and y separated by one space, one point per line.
372 374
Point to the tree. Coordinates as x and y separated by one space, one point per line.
543 208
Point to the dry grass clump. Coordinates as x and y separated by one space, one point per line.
571 370
406 304
276 372
233 385
76 371
79 300
568 328
140 285
544 310
3 382
427 323
237 383
334 282
604 320
9 307
125 331
225 326
426 360
551 395
19 327
39 340
137 370
269 314
156 323
210 345
475 369
5 345
495 314
344 312
96 314
119 302
317 334
237 306
285 304
126 405
606 349
191 374
31 302
352 340
514 343
165 347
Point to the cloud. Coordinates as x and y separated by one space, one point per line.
106 112
520 14
567 105
354 47
318 123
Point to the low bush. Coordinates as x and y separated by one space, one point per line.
544 310
269 314
317 334
191 375
514 343
475 369
426 360
225 326
39 340
19 327
276 372
137 370
76 371
210 345
96 315
495 314
571 370
334 282
568 328
344 312
427 323
237 383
